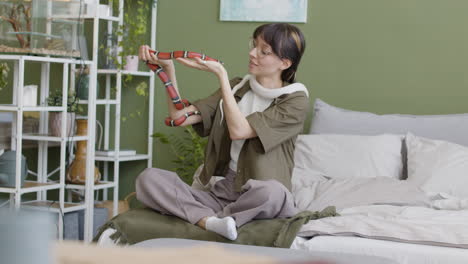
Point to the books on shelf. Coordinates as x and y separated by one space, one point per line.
111 152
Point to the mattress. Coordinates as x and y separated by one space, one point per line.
402 253
278 254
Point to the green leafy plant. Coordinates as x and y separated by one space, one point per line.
134 28
3 75
56 100
133 34
141 89
189 152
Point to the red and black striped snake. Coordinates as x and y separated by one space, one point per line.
176 100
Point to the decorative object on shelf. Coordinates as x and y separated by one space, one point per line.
82 84
110 52
111 152
55 118
189 151
4 69
264 10
122 206
30 95
76 173
131 63
55 124
28 28
104 10
8 169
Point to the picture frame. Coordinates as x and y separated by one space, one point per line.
292 11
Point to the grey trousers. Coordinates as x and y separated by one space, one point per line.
165 192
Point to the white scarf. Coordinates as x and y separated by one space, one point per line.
256 100
261 94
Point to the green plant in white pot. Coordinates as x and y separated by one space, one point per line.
133 33
55 118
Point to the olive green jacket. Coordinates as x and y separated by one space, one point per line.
270 155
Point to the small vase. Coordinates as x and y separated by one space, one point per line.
76 173
131 63
55 124
82 85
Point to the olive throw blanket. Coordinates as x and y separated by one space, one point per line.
142 224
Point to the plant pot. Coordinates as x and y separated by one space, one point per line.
55 124
131 63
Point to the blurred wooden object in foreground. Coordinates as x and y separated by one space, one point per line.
78 253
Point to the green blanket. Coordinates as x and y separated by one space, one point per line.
138 225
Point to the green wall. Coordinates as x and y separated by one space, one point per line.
382 56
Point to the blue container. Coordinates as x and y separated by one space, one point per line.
8 167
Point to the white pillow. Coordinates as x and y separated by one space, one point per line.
326 156
438 166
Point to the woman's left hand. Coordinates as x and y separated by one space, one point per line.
208 66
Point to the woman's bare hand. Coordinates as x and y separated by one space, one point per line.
145 55
203 65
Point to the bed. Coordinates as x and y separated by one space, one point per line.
397 181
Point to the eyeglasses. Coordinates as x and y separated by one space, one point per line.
261 52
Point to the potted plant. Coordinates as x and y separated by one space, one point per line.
55 118
133 33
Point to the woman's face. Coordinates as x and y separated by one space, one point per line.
263 62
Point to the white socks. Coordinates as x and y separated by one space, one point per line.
224 226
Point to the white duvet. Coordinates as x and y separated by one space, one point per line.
386 209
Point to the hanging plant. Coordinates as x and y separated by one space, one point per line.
3 75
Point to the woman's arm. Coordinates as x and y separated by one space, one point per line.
238 126
168 67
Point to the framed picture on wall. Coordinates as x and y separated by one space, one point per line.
264 10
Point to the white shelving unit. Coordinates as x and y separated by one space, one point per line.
43 184
107 102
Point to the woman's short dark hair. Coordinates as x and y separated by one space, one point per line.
287 42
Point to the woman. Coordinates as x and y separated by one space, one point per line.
252 124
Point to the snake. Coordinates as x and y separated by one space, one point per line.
176 100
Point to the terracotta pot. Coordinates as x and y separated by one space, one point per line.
55 124
76 173
131 63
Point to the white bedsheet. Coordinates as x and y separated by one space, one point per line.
385 209
403 253
397 223
384 217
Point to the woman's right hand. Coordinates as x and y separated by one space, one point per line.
145 55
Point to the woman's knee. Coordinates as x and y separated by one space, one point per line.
154 178
269 190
